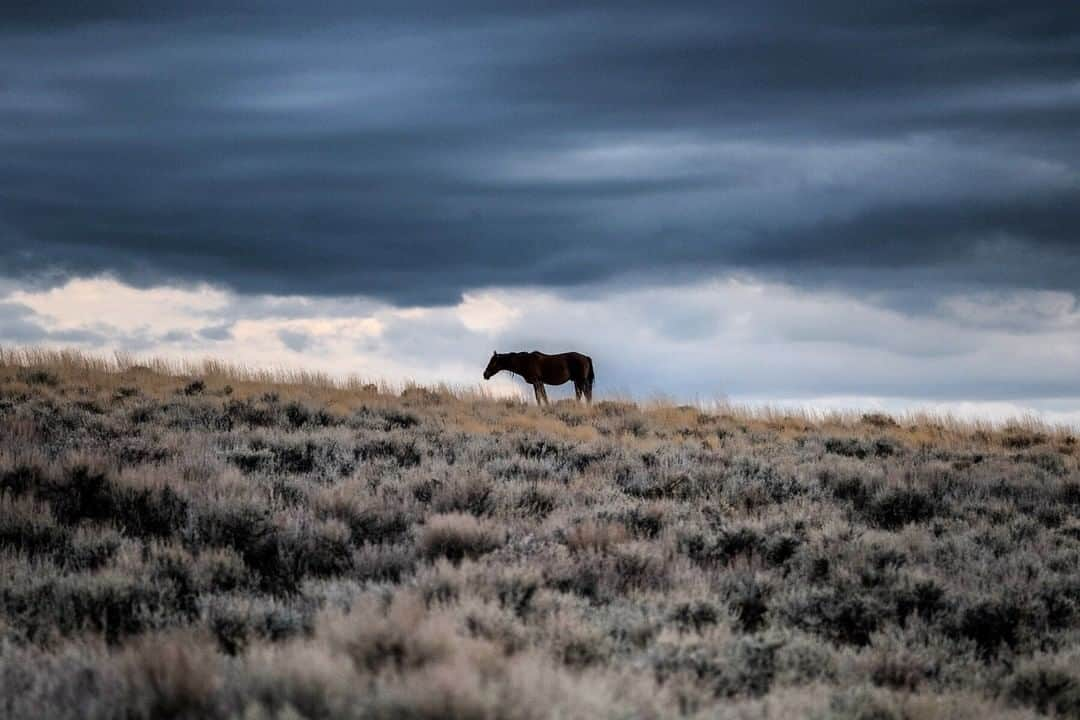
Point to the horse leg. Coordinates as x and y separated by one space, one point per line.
588 392
543 392
577 391
538 390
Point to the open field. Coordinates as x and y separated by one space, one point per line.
204 541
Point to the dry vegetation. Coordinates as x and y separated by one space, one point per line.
208 542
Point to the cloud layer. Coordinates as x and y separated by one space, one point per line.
405 152
831 202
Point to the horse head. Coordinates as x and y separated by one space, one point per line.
494 365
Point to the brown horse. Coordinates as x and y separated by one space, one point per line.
539 369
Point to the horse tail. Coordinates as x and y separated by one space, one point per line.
589 378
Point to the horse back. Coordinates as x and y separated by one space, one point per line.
552 369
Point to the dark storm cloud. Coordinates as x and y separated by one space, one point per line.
294 339
216 332
410 152
17 326
20 325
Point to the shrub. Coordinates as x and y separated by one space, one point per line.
644 486
237 620
879 420
89 549
1046 688
991 624
376 524
746 667
171 572
802 660
602 577
171 676
1050 462
221 570
896 666
1069 494
20 479
276 556
694 616
780 547
536 502
840 615
384 562
848 447
456 536
849 488
38 376
747 600
1021 439
250 414
294 458
581 649
402 451
924 599
751 668
644 522
893 509
473 495
319 549
113 605
383 419
516 591
722 546
84 493
297 415
593 536
195 387
252 461
862 704
149 512
401 636
27 527
234 524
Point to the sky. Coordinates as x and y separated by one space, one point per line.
832 204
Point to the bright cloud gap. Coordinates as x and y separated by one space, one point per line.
736 339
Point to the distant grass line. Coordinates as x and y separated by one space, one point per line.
120 367
71 363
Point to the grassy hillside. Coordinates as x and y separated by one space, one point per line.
207 542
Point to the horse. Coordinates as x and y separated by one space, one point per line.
539 369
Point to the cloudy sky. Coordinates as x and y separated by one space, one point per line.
853 203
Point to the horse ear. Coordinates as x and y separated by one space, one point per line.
494 353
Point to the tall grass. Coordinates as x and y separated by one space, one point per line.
159 374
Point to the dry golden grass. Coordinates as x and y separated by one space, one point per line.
475 409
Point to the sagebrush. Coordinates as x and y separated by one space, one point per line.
204 542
